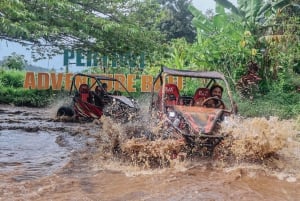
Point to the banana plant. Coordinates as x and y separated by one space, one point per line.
261 21
218 41
258 15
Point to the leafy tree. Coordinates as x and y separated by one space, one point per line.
100 26
177 20
282 50
271 32
14 62
222 43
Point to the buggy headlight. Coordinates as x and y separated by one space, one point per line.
172 114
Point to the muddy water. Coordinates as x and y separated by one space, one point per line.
42 159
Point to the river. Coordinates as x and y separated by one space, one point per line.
45 159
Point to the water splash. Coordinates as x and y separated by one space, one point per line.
266 142
257 138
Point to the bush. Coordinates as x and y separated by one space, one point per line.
12 78
283 105
25 97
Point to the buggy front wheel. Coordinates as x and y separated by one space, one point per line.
65 111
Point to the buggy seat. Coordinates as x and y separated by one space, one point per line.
200 95
84 92
171 94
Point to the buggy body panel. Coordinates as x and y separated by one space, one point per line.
87 110
201 120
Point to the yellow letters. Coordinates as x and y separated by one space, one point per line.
58 81
29 82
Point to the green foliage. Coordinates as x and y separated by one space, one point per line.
33 98
105 27
14 62
263 32
283 105
274 26
12 78
177 21
286 81
177 55
12 91
24 97
281 57
223 44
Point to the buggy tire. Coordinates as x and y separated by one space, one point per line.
65 111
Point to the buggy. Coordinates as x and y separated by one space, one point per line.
84 105
186 111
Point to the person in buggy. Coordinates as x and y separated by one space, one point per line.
216 90
215 99
100 95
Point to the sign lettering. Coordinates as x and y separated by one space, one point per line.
59 81
89 59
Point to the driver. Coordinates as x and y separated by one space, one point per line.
99 96
216 90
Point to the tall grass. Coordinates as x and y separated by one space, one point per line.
282 105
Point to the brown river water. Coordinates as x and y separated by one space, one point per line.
45 159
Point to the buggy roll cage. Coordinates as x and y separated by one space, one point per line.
98 80
212 75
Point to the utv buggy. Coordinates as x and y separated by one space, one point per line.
191 113
90 100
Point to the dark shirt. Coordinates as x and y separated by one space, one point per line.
99 99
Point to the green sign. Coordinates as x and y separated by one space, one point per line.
90 59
